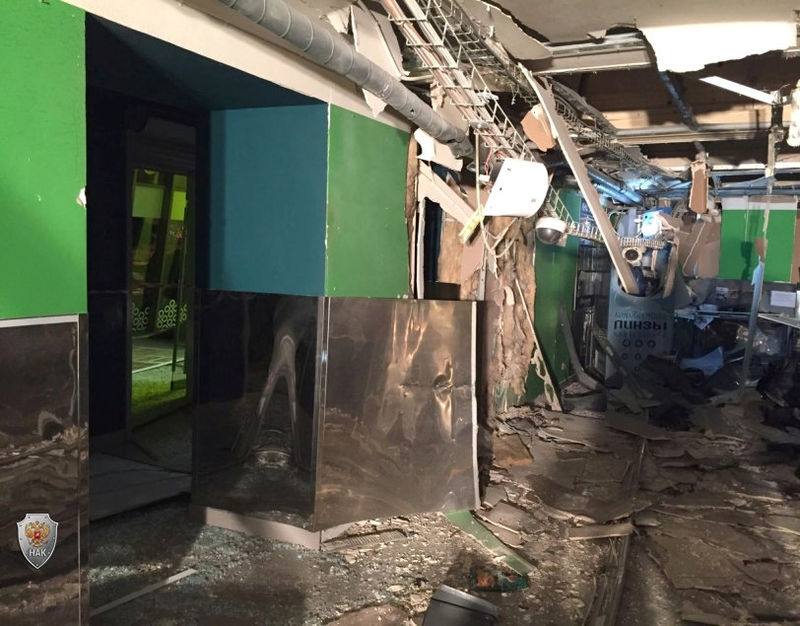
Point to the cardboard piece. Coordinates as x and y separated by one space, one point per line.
699 249
537 128
509 451
698 194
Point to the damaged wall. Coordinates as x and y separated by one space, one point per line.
555 283
43 151
509 342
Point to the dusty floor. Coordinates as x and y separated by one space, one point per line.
708 519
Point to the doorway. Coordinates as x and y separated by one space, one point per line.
161 280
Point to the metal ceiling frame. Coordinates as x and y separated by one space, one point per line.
613 52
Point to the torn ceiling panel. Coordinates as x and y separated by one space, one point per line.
516 41
373 37
571 20
714 42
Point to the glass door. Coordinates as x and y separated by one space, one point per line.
160 293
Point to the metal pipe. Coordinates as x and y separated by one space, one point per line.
616 190
333 52
752 325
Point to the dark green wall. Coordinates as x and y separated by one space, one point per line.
42 159
367 241
555 283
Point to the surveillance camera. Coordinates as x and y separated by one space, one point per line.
550 230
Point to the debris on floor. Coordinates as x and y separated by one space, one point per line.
704 518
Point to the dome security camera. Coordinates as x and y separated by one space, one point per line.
550 230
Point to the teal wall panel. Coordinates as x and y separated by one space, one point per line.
367 240
42 159
743 223
555 283
267 197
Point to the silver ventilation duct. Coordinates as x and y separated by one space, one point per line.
335 53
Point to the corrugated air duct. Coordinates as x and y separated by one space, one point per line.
335 53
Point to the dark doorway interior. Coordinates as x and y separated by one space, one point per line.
149 105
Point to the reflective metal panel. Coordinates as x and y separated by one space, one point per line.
43 447
396 426
257 360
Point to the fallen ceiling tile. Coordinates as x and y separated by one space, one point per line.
586 431
761 572
493 495
637 426
699 605
785 523
577 504
602 531
694 564
509 451
508 515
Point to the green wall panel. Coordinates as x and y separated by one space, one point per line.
555 283
42 159
743 223
367 251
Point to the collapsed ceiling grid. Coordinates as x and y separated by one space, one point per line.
637 111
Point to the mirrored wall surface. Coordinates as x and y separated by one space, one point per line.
43 467
397 412
257 363
321 411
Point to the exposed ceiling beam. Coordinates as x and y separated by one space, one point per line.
680 133
614 52
675 90
590 195
743 90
